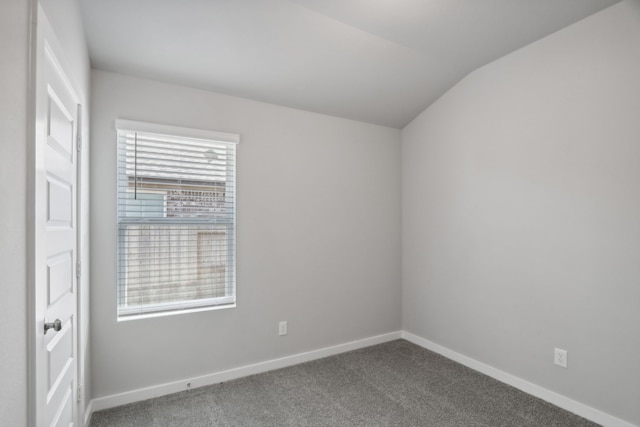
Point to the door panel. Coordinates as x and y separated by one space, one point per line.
59 276
65 411
59 355
55 236
59 201
60 125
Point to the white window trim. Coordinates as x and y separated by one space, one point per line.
168 309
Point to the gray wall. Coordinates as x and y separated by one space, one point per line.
521 213
15 121
318 237
14 74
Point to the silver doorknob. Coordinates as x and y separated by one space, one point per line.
56 325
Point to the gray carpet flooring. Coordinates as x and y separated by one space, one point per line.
391 384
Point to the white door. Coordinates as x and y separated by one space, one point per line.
55 182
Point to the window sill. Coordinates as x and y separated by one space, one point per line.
172 312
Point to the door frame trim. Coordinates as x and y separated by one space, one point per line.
30 214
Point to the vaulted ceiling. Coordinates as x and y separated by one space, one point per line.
378 61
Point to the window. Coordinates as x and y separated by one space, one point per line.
176 219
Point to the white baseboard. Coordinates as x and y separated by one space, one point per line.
559 400
106 402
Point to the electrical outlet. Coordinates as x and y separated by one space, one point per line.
560 357
282 328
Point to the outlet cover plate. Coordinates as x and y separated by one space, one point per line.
560 357
282 328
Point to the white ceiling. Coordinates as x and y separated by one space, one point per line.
378 61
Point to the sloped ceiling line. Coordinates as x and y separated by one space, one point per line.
377 61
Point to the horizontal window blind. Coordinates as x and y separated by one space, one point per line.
176 218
